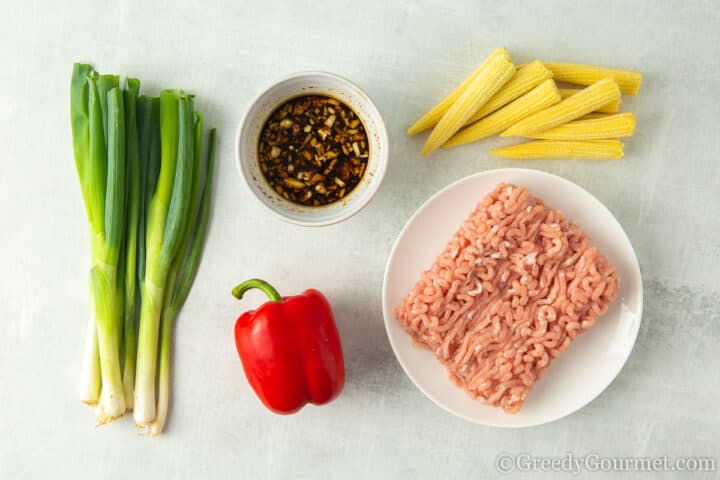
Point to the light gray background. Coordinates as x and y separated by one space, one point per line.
406 54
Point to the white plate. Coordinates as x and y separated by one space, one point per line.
593 359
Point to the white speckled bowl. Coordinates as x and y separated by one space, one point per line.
311 83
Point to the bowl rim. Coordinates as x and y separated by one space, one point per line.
410 372
374 184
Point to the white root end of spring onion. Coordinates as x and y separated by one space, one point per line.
111 407
144 411
112 403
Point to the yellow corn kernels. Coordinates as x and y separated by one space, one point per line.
594 115
585 101
564 149
525 79
613 107
497 73
610 126
429 120
539 98
628 81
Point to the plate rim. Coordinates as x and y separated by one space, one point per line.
422 207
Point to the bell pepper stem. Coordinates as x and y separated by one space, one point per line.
267 289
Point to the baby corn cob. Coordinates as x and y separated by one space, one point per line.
591 150
610 126
537 99
587 100
525 79
485 85
429 120
613 107
594 115
628 81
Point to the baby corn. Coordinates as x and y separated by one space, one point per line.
537 99
567 149
613 107
429 120
628 81
594 115
525 79
498 71
587 100
610 126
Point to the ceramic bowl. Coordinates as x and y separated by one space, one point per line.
311 83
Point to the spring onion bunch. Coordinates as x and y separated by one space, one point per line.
147 191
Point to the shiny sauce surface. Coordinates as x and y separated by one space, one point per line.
313 150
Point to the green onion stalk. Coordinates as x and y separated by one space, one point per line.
80 123
98 125
172 217
132 210
183 272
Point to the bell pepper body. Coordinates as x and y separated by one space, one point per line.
291 352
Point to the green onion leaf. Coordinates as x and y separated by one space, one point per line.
97 165
132 152
80 122
177 216
115 196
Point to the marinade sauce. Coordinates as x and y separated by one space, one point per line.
313 150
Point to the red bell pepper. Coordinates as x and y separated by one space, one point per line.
290 349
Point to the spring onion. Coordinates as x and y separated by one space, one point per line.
107 290
139 163
182 274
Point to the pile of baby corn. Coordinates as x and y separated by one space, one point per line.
524 101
